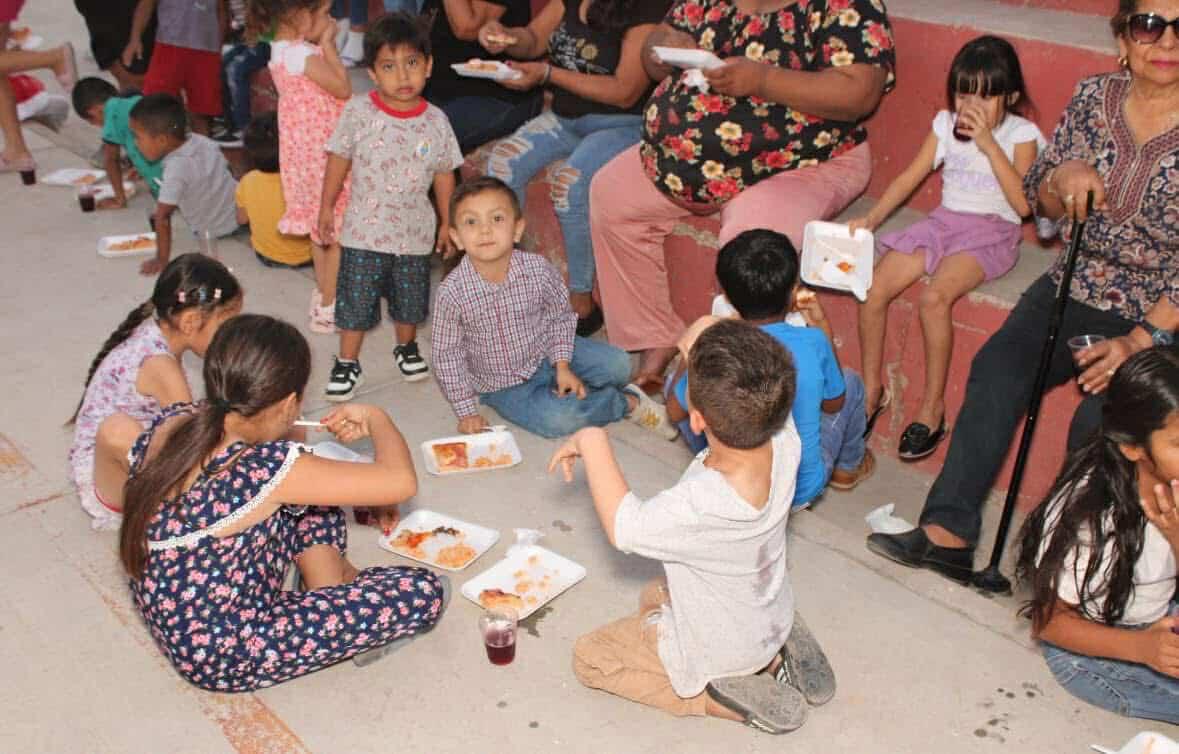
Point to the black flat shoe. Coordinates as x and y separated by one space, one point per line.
591 323
885 401
913 549
918 440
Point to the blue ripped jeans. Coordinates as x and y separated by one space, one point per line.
1126 688
535 406
238 65
586 144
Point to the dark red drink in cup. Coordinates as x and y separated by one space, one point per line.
958 134
498 627
86 199
28 177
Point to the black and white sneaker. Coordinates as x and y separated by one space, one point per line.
346 378
413 367
225 135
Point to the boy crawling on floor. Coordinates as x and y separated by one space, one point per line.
714 638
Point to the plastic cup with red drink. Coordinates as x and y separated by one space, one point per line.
498 628
86 198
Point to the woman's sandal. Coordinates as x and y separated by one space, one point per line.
885 402
918 440
369 656
761 702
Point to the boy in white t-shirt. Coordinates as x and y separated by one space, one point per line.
715 638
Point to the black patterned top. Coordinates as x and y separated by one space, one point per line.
707 148
1129 256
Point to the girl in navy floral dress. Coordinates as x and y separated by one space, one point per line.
216 510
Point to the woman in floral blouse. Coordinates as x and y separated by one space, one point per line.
776 141
1119 139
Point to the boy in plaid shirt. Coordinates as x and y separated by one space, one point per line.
503 333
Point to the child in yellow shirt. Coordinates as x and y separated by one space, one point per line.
260 201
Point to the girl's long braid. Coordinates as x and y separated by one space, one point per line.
134 319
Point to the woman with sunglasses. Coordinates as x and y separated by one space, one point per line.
1119 140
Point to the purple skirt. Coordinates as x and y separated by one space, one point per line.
991 240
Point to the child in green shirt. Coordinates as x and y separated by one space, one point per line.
97 102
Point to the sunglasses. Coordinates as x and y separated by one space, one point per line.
1148 28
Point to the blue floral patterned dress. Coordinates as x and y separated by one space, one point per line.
215 605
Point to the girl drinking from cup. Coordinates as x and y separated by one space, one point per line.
1100 552
972 237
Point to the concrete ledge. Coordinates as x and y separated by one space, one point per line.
1054 25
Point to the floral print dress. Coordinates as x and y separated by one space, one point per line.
111 391
1129 258
307 116
705 148
214 604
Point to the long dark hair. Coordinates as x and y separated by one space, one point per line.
989 67
1095 501
614 15
189 281
1121 18
254 362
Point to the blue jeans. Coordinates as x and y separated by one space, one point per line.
237 66
357 10
409 6
535 406
478 120
1126 688
586 144
841 435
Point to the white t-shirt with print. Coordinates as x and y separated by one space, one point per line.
731 601
1154 574
968 182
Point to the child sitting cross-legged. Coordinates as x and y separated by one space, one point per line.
720 635
196 178
260 201
758 274
504 332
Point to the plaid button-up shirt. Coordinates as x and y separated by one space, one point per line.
489 336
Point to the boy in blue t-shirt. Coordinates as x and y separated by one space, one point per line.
758 274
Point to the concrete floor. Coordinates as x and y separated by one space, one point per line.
923 665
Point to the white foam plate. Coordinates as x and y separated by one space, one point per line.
532 564
681 58
501 73
107 191
1155 743
492 447
104 246
478 537
824 245
335 451
72 177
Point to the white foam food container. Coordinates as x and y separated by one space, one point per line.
681 58
107 191
495 448
826 245
335 451
1146 742
479 538
105 243
543 573
501 71
74 177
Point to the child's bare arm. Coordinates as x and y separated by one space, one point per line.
1010 174
444 184
1156 647
163 218
333 184
243 215
607 485
329 75
901 187
113 165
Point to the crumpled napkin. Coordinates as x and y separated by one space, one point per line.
881 521
694 77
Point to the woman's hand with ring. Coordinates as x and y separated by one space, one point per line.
1072 181
1101 360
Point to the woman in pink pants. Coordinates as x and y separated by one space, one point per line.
774 143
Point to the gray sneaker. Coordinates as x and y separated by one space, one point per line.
761 702
804 667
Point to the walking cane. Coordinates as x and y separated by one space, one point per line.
990 579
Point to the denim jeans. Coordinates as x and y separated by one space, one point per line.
478 120
409 6
357 11
586 144
1126 688
1002 376
534 405
237 66
841 435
